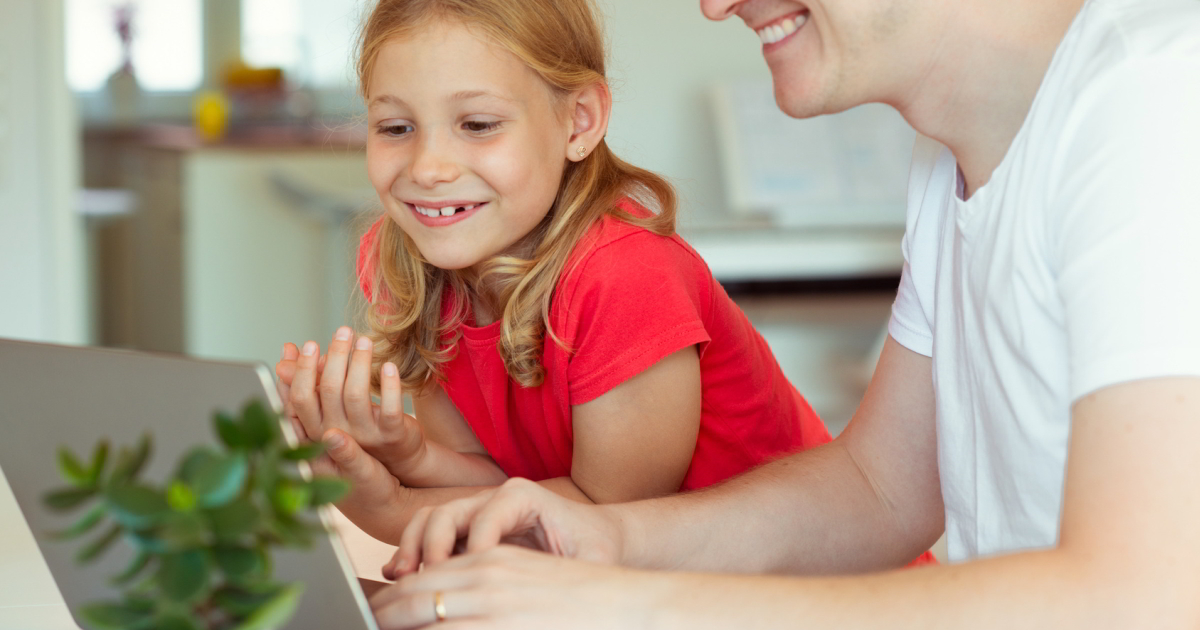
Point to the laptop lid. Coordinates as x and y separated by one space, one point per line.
52 396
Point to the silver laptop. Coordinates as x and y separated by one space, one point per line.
52 396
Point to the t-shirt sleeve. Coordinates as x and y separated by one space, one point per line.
631 303
930 180
364 268
1126 233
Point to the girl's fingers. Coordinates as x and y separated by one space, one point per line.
333 378
391 400
305 406
357 394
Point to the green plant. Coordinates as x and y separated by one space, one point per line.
203 538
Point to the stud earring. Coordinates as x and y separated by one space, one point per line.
581 151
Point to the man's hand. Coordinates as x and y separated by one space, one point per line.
519 511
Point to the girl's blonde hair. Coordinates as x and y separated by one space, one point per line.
562 42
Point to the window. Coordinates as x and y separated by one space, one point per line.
312 40
166 50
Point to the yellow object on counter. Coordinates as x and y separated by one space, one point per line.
210 113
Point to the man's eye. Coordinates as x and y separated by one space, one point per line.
479 126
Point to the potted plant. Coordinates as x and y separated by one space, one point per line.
203 537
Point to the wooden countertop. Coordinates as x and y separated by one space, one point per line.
182 137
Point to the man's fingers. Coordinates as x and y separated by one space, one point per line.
408 553
510 512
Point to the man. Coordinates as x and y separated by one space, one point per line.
1038 397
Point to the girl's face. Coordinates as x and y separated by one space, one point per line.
466 145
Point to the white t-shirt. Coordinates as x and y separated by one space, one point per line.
1077 266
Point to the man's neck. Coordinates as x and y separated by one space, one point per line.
986 68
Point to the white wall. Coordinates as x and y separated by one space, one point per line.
664 55
42 285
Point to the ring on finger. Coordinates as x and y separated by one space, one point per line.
439 606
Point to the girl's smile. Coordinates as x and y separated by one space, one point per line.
467 144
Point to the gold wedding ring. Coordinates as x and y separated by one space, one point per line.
439 606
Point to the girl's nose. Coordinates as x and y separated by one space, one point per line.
719 9
432 165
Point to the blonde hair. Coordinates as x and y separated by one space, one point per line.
562 42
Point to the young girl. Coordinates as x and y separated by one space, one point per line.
546 322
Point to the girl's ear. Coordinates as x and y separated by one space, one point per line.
590 109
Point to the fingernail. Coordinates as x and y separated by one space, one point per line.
335 440
310 348
342 333
363 343
389 369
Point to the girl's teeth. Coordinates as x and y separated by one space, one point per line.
447 211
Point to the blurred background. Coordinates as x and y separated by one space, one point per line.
187 176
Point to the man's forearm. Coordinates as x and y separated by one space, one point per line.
811 513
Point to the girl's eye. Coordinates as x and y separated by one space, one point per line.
480 126
395 130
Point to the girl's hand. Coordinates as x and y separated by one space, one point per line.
335 393
520 512
375 497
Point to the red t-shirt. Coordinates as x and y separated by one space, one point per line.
627 299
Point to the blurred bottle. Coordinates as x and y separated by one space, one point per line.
210 113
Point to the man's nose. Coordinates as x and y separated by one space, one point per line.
719 9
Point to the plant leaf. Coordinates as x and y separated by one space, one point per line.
65 499
99 459
110 616
130 463
234 519
71 468
305 451
175 621
137 507
139 562
290 498
180 497
328 490
183 531
277 611
229 431
98 546
83 525
148 542
183 575
239 564
240 601
260 426
219 481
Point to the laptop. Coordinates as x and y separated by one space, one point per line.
52 396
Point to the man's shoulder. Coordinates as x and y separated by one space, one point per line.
1113 35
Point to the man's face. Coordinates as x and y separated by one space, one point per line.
825 56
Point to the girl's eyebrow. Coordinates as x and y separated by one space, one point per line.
470 94
385 99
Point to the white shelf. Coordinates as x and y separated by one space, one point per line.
743 255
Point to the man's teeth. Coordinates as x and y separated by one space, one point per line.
443 212
775 32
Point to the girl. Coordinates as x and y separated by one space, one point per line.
547 324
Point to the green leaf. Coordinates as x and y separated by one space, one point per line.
139 562
148 542
328 490
289 498
234 519
260 426
305 451
71 469
110 616
277 611
99 458
98 546
239 601
137 507
184 531
239 564
180 497
65 499
130 463
83 525
219 481
183 575
229 431
175 621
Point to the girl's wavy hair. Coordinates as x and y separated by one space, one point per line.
562 42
